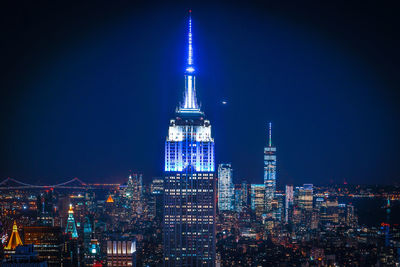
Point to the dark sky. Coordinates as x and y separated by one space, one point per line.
87 89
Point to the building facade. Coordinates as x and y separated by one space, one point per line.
133 192
269 171
157 197
225 187
257 198
288 202
304 196
238 198
189 182
48 242
304 205
121 253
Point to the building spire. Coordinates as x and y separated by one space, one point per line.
71 227
190 104
190 67
14 240
270 134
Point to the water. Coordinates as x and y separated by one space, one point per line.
371 211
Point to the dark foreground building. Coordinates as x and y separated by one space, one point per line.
48 242
24 256
189 184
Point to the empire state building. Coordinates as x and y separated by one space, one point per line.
189 182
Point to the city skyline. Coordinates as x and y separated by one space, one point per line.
186 188
69 126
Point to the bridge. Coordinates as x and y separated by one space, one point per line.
75 183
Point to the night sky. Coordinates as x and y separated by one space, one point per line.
87 89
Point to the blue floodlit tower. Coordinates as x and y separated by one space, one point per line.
71 226
269 171
189 183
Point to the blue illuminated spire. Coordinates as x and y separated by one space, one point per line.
270 135
190 67
190 101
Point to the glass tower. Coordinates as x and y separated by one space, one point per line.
269 171
189 182
257 198
288 201
225 187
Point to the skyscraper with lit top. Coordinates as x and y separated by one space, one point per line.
14 240
71 226
269 171
189 183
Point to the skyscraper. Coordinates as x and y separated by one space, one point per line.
71 226
157 197
269 171
133 192
189 183
48 242
225 187
14 240
238 198
245 193
257 197
304 204
288 201
45 208
305 197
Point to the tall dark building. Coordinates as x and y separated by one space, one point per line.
45 208
189 183
24 256
157 198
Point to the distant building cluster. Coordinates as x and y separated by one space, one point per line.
103 225
77 226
